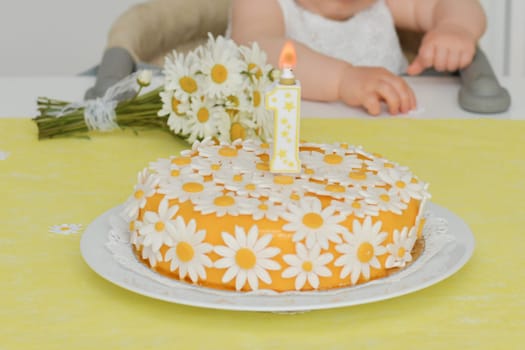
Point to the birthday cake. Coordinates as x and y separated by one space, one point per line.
216 216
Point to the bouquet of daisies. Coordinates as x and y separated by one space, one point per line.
215 91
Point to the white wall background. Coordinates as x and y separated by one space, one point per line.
66 37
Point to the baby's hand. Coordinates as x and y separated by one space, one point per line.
447 47
369 86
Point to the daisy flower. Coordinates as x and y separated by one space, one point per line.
206 166
221 68
381 164
176 110
255 61
167 169
65 229
358 179
145 187
331 163
333 190
189 187
158 227
231 156
153 256
246 258
219 203
386 200
357 207
189 253
403 183
180 75
309 221
360 250
259 209
204 118
400 250
307 265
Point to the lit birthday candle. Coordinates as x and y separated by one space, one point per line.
285 102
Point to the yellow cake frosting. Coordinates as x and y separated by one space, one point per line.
217 217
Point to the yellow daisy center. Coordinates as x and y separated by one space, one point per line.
389 165
175 173
185 251
356 205
385 197
132 226
357 175
262 166
193 187
224 201
333 159
308 266
313 220
188 84
215 167
336 188
401 252
400 184
139 194
245 258
256 98
234 100
228 152
250 187
253 67
219 73
159 226
203 115
365 252
263 206
283 180
237 131
181 161
175 105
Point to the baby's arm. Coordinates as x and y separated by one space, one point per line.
323 78
453 28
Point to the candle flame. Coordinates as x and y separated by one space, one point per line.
288 57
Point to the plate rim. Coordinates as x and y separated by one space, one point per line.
457 227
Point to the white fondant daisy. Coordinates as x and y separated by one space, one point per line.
246 258
307 265
153 256
189 187
358 179
311 222
381 164
220 203
167 169
255 62
206 166
404 183
158 227
357 207
65 229
282 188
386 200
331 163
333 190
400 249
259 209
189 253
145 187
360 250
231 156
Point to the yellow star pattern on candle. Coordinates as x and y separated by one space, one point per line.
289 106
282 153
284 133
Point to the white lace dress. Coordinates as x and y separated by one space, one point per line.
368 38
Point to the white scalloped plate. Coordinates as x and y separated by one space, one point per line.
443 264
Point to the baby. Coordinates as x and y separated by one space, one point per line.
348 50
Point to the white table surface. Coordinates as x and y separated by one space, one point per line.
436 97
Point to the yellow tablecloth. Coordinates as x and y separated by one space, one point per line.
50 299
